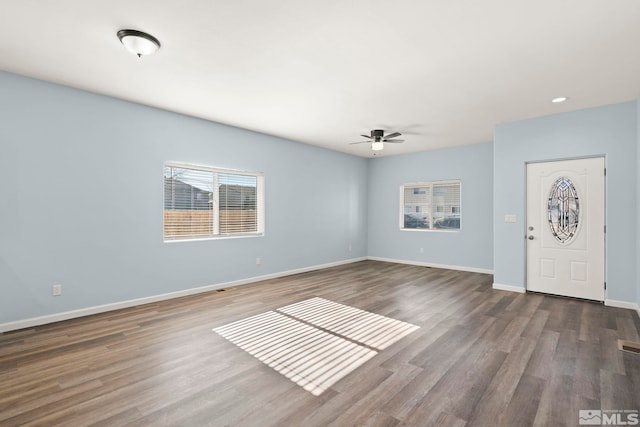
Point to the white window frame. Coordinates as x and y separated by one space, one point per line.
431 206
260 203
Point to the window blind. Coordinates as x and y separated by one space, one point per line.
201 202
237 204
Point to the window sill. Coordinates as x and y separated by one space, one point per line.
438 230
220 237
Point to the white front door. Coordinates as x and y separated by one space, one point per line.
565 228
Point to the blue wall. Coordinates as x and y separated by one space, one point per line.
610 131
81 200
471 247
82 196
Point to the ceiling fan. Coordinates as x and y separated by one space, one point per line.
378 138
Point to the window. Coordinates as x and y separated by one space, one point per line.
202 202
430 206
563 210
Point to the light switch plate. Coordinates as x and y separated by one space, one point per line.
510 218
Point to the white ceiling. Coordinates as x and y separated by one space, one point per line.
324 71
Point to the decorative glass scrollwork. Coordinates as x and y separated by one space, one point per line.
563 210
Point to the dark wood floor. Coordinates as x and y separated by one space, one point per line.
481 357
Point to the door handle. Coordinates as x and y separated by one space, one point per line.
530 237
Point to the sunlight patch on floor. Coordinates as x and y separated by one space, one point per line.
367 328
315 342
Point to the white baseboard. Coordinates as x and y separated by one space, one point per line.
429 264
509 288
57 317
622 304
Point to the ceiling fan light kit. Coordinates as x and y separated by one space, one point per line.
378 138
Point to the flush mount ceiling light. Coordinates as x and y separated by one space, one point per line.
138 43
559 99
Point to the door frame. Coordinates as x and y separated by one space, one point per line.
524 225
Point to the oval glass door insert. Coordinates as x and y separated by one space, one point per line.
563 210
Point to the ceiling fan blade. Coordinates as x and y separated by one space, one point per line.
361 142
392 135
366 136
394 141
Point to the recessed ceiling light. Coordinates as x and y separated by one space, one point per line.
138 43
559 99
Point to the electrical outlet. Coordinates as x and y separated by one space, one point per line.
258 261
56 290
421 250
349 247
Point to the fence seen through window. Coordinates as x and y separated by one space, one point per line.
202 202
